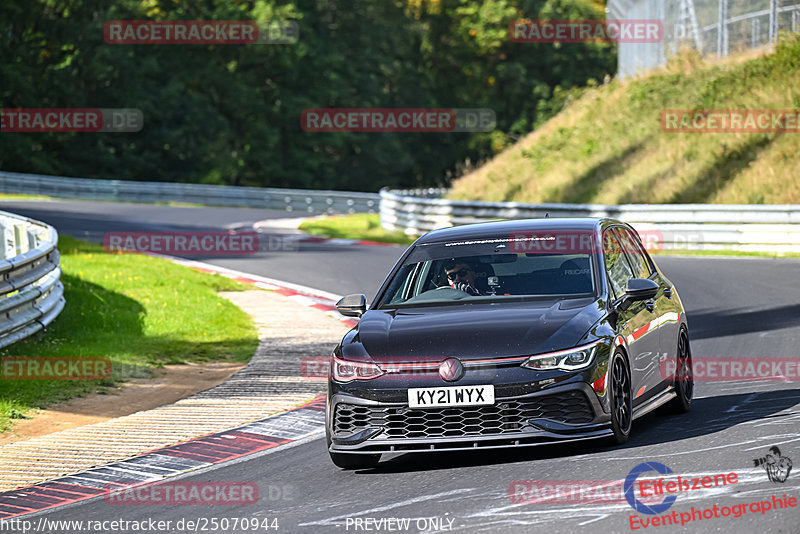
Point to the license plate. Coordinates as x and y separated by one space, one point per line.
450 396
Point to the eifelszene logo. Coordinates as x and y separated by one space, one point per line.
669 485
776 465
630 495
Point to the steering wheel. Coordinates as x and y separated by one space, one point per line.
454 289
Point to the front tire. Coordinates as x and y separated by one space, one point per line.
621 400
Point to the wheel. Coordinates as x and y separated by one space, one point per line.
621 402
351 461
684 379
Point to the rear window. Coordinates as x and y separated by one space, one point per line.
485 270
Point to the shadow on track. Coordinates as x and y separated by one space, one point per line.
713 323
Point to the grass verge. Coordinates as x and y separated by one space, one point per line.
6 196
140 312
608 145
362 226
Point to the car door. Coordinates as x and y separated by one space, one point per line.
664 322
634 323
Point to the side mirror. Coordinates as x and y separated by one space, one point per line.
352 305
637 289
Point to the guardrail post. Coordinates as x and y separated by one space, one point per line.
773 21
20 239
722 29
7 246
756 33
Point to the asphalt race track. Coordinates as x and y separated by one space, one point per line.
335 268
736 308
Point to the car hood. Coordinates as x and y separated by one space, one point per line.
475 331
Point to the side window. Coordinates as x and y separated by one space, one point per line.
619 272
398 290
641 267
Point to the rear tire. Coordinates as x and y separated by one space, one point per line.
684 379
620 399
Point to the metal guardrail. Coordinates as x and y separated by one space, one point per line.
760 228
31 293
306 202
745 227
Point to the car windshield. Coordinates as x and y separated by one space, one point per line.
487 270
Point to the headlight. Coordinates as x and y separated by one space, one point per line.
344 371
568 360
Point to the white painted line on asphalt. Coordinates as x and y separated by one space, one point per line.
598 518
745 401
235 225
760 447
692 451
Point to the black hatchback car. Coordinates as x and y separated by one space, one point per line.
508 334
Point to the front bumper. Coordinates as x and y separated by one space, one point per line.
570 411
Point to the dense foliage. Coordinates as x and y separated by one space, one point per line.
230 113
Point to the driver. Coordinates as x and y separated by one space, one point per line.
461 275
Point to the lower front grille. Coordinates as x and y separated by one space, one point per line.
401 422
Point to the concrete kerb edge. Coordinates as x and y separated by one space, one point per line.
90 484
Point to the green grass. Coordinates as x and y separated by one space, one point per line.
8 196
607 146
139 311
363 226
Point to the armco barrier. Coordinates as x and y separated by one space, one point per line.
757 228
31 293
306 202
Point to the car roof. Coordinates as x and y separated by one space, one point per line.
480 230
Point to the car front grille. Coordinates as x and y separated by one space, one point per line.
401 422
